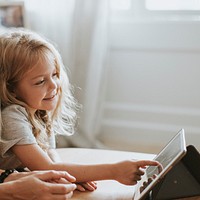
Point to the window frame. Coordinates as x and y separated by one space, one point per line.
138 11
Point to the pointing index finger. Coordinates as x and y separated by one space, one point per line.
142 163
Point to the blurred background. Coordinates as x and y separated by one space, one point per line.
134 64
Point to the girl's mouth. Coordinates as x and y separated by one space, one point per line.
50 98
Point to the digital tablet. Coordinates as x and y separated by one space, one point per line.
168 157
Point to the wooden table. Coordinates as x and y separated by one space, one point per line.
108 189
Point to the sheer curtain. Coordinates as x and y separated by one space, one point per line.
52 19
89 55
79 29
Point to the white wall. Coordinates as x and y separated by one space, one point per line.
153 84
152 73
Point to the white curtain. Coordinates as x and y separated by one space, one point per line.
79 28
89 56
52 19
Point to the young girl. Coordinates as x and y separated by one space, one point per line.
36 104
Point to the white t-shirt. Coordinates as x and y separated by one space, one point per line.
16 130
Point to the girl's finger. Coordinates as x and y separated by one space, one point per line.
80 188
88 186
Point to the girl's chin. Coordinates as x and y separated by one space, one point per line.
50 108
47 107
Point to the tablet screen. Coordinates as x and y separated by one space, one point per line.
168 157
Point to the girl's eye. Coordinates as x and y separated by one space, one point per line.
39 82
55 74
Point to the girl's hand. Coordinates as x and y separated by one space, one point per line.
82 187
129 172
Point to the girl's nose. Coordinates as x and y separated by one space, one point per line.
53 84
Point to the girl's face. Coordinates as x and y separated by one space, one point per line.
39 87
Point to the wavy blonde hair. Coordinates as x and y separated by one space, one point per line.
20 51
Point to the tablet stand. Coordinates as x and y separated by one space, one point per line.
182 181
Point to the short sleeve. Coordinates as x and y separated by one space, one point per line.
16 129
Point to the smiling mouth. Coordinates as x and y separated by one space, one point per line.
50 98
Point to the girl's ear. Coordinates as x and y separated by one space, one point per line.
12 90
14 94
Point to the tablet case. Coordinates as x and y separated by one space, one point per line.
182 181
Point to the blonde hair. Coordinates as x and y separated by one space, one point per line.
20 51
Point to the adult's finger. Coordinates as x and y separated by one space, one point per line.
48 175
61 197
61 188
62 180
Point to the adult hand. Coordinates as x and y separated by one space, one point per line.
83 186
40 186
17 175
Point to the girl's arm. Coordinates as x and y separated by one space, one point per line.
126 172
89 185
54 155
33 157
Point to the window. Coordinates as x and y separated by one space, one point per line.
167 10
120 4
172 5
